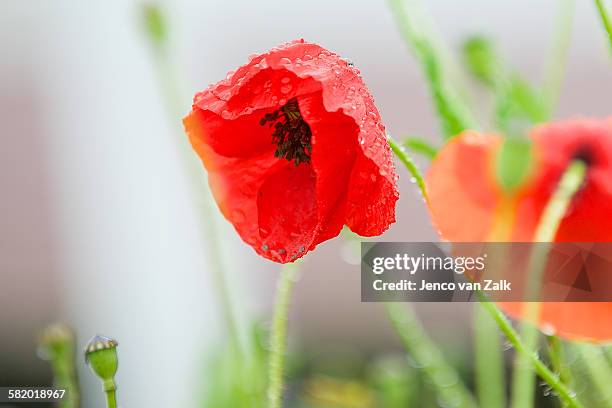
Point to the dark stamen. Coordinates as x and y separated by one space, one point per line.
585 155
291 133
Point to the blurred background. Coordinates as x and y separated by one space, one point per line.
98 225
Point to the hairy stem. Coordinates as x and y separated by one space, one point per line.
278 337
555 383
442 375
557 360
410 165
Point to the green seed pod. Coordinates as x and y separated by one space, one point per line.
101 355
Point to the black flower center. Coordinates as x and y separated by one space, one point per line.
291 135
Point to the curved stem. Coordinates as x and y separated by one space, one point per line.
605 18
410 165
278 337
564 393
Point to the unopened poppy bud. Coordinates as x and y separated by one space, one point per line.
54 340
101 355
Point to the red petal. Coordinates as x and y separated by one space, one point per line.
312 201
467 206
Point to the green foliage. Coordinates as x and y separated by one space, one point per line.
518 105
513 163
480 59
453 113
235 380
396 383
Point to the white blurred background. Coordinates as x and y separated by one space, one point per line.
97 224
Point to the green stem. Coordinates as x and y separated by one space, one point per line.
599 371
569 184
555 68
278 337
523 383
489 361
452 112
564 393
442 375
407 161
111 400
421 146
557 360
605 18
205 208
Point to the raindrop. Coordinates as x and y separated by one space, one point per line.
285 61
285 80
286 89
264 247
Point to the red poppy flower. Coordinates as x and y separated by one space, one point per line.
295 149
467 205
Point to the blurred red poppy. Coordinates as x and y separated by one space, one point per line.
468 205
295 149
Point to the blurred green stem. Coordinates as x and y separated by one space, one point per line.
606 19
523 381
452 112
599 371
422 350
421 146
57 345
278 336
489 361
157 32
555 68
